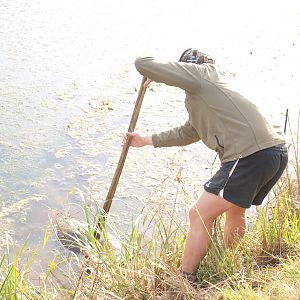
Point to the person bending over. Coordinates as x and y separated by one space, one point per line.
251 148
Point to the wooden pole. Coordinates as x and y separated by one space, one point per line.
117 175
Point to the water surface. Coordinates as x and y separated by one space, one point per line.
68 85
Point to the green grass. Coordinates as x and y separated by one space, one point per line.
265 264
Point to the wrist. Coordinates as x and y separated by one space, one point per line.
148 140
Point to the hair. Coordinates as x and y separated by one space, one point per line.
195 56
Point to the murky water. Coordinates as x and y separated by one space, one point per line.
68 85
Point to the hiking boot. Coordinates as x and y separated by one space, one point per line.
190 277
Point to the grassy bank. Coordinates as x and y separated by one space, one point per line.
265 264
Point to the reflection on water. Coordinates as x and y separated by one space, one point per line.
67 88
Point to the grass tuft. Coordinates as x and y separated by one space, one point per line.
144 263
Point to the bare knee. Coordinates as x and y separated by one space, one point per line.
199 218
235 225
207 209
235 217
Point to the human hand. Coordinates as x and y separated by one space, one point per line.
137 140
147 82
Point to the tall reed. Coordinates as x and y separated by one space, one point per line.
263 265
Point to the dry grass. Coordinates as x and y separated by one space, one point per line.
263 265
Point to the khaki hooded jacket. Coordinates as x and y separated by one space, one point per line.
219 116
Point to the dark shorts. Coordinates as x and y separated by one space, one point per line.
247 181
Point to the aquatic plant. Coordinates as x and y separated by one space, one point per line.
263 265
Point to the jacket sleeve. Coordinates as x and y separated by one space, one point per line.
179 74
179 136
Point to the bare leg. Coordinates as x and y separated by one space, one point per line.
235 225
202 215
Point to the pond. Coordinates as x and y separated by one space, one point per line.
68 86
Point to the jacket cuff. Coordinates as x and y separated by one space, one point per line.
156 140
